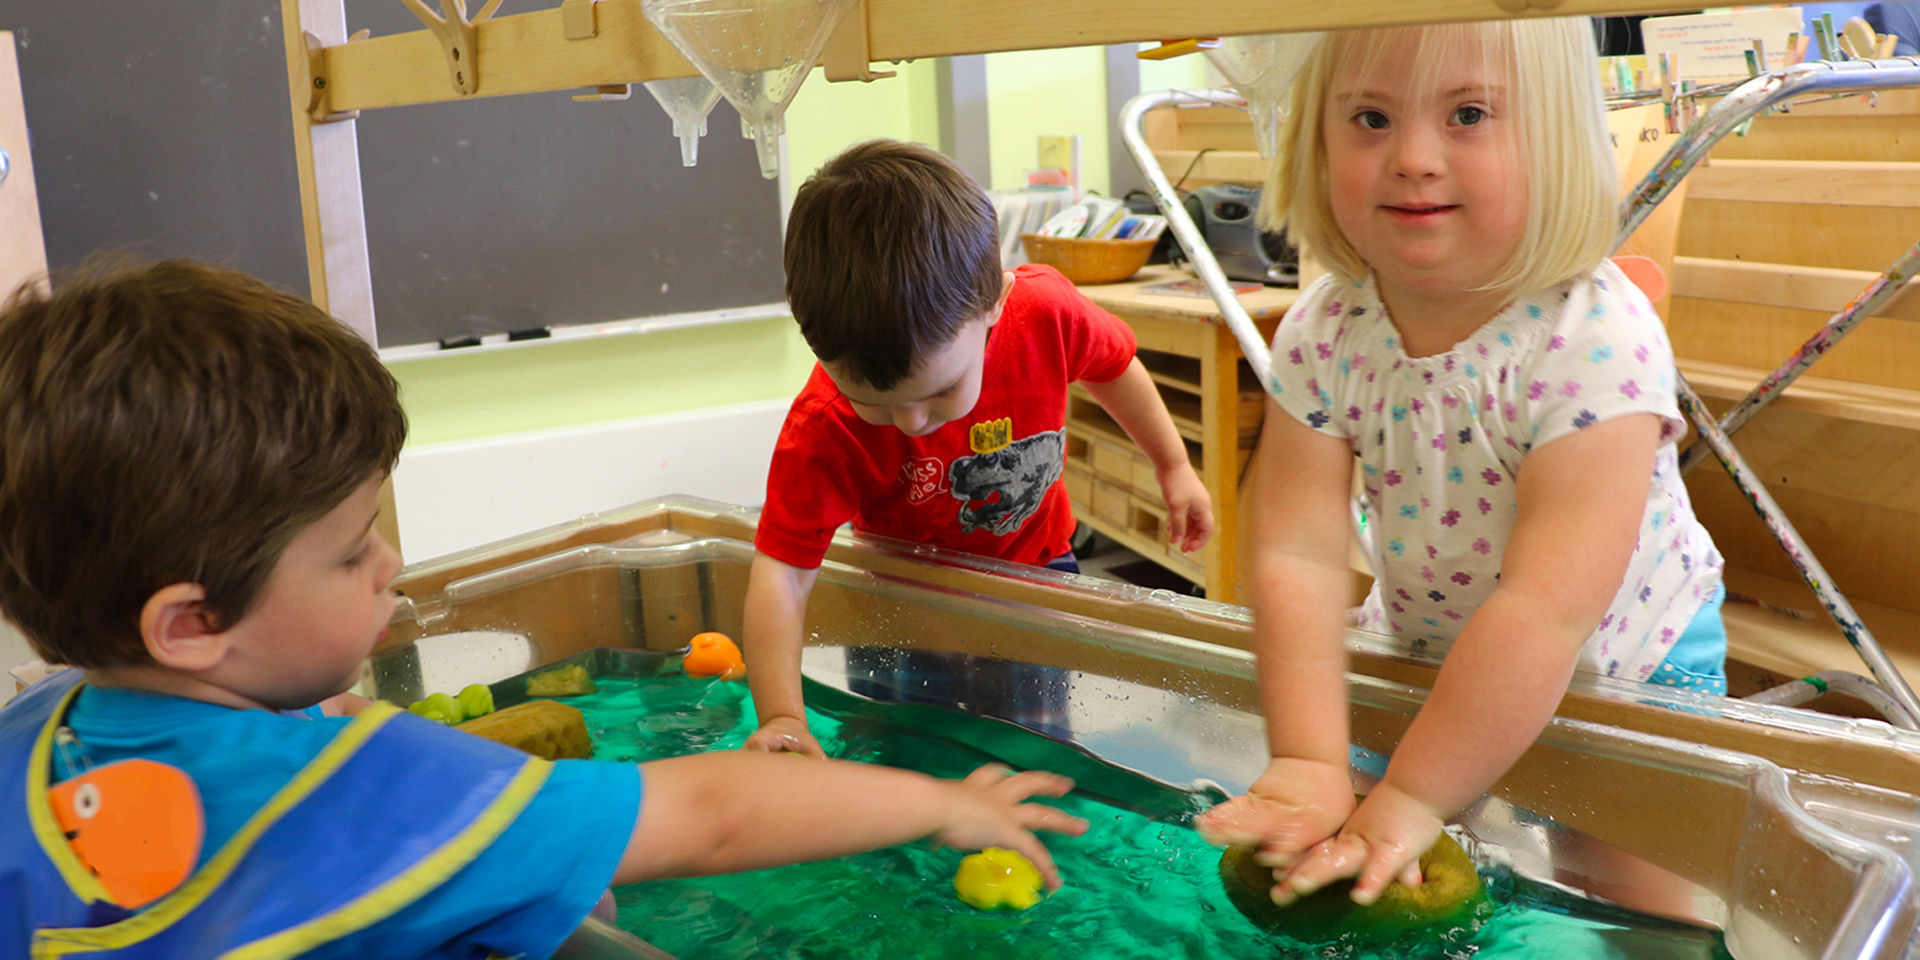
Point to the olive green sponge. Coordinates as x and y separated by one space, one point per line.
544 728
1450 894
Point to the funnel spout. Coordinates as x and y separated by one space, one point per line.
687 100
1261 69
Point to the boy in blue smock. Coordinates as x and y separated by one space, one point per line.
190 464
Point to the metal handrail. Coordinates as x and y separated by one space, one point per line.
1746 102
1182 225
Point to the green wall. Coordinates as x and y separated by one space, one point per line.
1047 92
562 383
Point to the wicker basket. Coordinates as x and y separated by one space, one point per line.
1089 261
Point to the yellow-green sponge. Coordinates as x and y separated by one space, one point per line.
1449 895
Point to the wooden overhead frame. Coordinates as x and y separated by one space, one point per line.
530 52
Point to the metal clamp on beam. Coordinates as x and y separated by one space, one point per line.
578 20
459 38
846 56
606 91
319 103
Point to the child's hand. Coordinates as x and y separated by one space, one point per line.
1382 842
1189 508
992 812
1295 804
784 735
344 705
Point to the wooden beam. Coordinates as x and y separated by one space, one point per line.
1841 183
332 212
23 250
524 53
327 160
529 52
1783 285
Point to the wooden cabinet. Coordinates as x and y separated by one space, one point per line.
1216 404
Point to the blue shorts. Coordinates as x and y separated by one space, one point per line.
1698 660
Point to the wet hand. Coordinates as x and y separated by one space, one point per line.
1381 843
991 811
784 735
1189 508
1295 804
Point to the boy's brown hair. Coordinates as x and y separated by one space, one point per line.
170 423
890 248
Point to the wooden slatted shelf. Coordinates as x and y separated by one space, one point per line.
1781 229
1825 289
1846 183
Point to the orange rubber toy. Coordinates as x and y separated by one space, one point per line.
714 654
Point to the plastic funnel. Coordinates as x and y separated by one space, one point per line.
756 51
687 100
1261 68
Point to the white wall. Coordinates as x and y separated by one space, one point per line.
13 652
460 494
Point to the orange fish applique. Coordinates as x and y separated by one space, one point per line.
137 825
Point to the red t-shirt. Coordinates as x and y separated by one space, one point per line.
987 483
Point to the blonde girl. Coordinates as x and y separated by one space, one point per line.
1509 397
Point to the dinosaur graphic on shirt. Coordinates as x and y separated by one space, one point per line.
998 491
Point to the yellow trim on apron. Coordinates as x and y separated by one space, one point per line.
433 870
169 909
53 840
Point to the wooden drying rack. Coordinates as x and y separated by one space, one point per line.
594 45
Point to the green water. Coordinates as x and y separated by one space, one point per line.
1140 882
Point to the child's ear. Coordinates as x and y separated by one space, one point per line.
1006 289
177 631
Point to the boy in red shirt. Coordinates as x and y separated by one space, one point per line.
938 408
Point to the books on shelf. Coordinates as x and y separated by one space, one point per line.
1098 218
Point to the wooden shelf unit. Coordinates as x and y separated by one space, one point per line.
1216 404
1779 230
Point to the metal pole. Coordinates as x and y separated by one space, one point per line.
1870 300
1747 101
1803 560
1184 229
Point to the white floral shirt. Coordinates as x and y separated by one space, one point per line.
1441 440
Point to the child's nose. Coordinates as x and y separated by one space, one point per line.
910 419
386 560
1417 153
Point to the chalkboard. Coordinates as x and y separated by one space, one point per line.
163 129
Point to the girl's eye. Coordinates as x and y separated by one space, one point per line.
1468 116
1371 119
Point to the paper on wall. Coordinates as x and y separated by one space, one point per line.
1713 46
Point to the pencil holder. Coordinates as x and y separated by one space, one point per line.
1087 261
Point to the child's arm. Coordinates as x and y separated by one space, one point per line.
1300 584
776 613
727 812
1135 404
1581 498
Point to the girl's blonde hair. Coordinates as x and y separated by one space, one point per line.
1553 92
